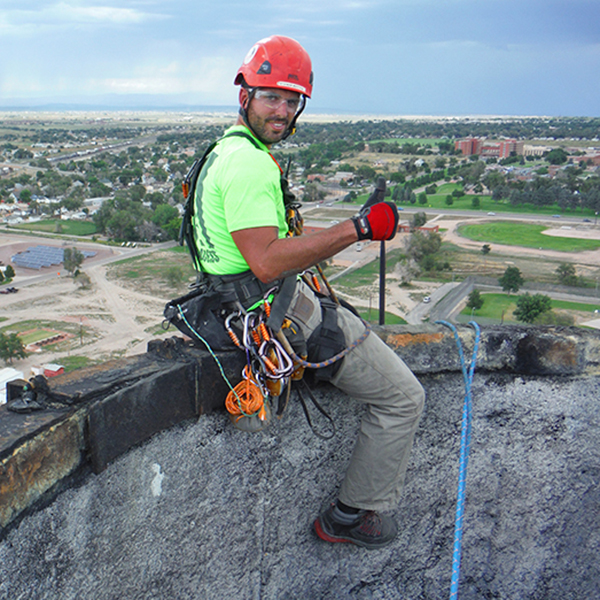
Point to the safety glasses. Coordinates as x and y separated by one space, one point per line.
274 101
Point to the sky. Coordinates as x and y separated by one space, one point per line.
374 57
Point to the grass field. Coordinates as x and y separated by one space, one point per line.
71 363
486 204
60 226
32 331
524 234
368 273
372 316
37 335
498 306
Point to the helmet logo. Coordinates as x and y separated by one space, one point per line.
265 68
251 54
293 86
293 76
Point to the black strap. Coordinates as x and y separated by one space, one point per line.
249 288
326 341
186 231
282 302
318 407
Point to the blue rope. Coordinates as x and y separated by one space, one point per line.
465 442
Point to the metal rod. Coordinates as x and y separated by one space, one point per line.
382 284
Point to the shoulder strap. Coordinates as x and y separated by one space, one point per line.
186 232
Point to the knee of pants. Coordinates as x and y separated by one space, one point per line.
404 404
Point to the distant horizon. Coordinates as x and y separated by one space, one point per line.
152 105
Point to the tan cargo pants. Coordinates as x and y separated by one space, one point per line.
372 373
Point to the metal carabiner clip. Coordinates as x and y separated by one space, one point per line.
247 337
283 366
229 329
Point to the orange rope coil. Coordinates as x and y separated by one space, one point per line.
246 399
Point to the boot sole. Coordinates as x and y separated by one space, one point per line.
336 540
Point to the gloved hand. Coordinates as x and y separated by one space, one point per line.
377 222
377 196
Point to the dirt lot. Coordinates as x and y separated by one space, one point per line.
116 321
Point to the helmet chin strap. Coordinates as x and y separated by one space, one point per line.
292 126
244 111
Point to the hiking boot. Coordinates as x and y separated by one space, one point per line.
370 530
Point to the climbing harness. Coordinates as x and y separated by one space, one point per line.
465 442
252 317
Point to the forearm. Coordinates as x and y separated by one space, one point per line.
275 258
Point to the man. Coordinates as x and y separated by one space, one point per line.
240 227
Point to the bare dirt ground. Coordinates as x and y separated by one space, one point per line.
117 321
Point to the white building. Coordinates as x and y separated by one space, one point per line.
6 375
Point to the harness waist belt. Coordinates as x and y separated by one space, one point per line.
247 289
244 288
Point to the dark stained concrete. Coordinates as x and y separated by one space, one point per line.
203 511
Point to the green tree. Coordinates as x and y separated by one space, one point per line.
567 274
486 249
512 280
172 228
420 245
475 301
529 307
366 172
312 193
449 200
419 219
422 198
557 156
121 226
72 259
11 347
72 203
155 198
9 272
163 214
137 192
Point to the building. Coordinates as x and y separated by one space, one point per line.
489 149
7 375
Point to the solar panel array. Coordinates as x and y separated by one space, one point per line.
36 257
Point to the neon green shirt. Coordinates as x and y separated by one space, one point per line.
238 188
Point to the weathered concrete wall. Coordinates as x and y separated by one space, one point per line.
102 412
206 512
99 413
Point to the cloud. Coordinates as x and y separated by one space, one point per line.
396 55
32 19
207 80
99 14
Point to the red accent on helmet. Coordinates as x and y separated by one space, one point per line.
277 62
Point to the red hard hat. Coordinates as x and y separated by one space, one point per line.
277 62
